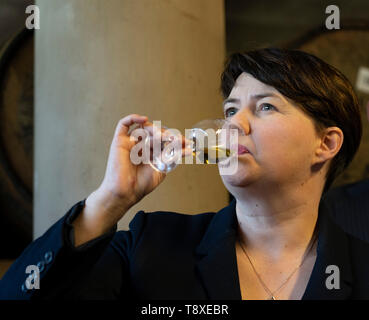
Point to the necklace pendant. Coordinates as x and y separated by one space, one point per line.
272 298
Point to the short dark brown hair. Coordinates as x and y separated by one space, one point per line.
318 88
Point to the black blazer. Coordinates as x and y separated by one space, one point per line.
349 206
168 255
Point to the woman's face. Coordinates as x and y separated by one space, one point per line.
280 137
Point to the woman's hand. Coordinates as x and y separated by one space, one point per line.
124 181
124 185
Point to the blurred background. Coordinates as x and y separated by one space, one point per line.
64 87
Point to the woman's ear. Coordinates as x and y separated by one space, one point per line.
330 143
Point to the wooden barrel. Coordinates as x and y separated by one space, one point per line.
346 49
16 143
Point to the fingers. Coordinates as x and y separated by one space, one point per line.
127 124
124 123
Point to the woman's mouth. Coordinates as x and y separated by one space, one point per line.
242 149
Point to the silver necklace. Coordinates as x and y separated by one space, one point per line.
267 290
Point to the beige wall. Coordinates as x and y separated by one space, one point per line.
97 61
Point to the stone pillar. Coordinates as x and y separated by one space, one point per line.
97 61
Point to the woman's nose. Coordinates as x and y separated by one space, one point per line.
240 120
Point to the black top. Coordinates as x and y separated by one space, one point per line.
167 255
349 206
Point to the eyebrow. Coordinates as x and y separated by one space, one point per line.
253 97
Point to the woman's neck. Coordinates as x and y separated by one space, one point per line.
277 225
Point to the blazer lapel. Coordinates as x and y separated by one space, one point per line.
332 250
217 264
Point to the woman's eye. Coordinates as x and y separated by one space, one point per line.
267 107
230 112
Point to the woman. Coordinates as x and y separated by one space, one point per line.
274 241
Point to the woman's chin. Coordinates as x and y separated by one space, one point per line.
240 178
